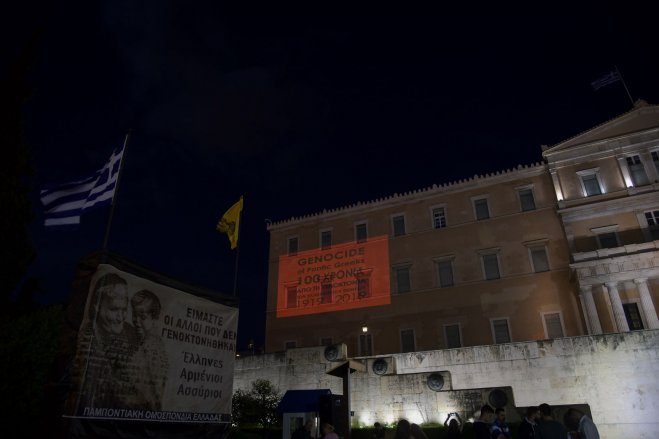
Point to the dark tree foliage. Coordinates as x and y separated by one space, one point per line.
29 333
256 407
16 251
28 345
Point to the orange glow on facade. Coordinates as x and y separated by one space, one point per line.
347 276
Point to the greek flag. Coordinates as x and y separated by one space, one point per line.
64 203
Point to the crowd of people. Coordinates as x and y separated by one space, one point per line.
538 423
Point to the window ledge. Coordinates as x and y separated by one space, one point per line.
616 251
592 199
643 189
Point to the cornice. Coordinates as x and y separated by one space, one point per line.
600 149
639 108
619 264
631 203
488 179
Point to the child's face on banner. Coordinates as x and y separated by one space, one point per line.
142 318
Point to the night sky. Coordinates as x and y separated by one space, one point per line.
296 113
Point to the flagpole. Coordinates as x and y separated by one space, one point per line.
106 238
235 274
625 85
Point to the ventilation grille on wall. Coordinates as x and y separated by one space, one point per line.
382 366
336 352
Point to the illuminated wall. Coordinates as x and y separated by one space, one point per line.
615 374
346 276
298 314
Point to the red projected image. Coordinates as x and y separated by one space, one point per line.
347 276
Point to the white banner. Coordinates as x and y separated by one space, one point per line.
150 352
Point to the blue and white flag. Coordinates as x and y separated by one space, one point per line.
64 203
605 80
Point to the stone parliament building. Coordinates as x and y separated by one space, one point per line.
541 281
567 247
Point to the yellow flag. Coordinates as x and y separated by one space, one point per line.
230 222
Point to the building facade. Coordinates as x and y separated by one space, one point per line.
606 182
555 249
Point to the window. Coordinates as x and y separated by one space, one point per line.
607 236
292 344
326 292
291 297
407 341
553 325
398 225
365 345
591 185
364 283
637 171
652 218
526 199
491 266
590 182
633 316
481 209
445 270
501 330
326 341
655 159
325 239
539 258
363 287
292 246
439 217
452 336
607 240
361 233
402 279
